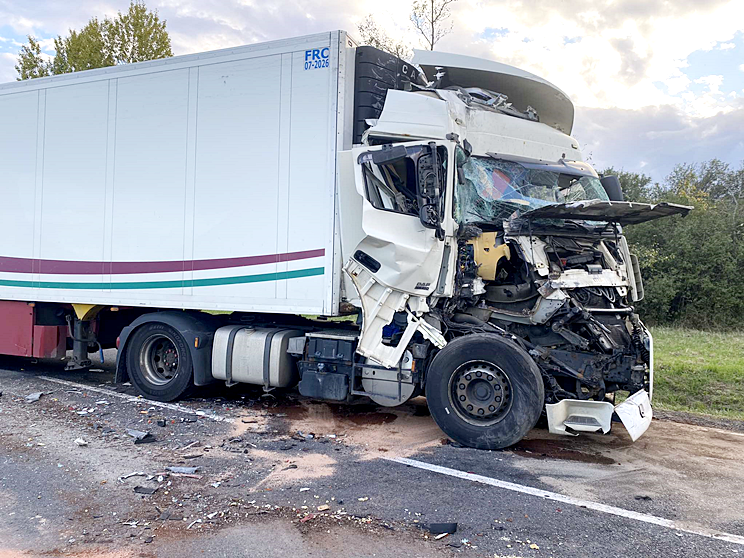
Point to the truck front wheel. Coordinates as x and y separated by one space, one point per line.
484 391
159 362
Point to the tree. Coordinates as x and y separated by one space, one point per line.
691 266
430 17
31 63
134 36
372 35
82 50
138 35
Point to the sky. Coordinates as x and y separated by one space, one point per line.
655 83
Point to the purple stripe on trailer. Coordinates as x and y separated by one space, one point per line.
70 267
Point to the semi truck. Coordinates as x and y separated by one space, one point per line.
316 214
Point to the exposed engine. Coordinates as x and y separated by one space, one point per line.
565 297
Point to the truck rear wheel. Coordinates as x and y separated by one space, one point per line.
159 362
484 391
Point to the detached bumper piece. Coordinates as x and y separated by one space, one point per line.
571 416
636 414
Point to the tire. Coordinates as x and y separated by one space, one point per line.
500 382
159 362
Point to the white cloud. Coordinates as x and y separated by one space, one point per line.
620 59
7 70
713 83
7 41
660 136
625 50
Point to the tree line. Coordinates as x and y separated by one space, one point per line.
134 36
692 266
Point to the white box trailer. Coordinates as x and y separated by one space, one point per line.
197 182
195 211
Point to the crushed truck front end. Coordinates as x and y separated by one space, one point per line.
492 272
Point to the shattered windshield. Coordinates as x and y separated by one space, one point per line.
491 190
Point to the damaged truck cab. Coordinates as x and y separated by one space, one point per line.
339 220
492 271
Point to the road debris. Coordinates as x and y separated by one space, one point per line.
80 442
140 436
185 470
441 536
363 498
324 507
134 474
307 518
193 523
145 490
32 397
440 528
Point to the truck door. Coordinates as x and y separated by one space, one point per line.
407 223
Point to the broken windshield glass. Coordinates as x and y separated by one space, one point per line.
493 190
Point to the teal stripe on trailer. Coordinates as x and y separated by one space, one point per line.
174 284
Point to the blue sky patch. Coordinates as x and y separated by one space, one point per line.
490 33
718 61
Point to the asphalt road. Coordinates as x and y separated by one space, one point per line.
267 467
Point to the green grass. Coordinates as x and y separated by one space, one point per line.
699 371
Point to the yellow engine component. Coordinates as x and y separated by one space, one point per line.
488 255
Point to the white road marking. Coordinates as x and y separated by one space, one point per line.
134 399
596 506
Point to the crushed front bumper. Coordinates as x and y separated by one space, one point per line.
571 416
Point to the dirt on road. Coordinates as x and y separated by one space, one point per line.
75 483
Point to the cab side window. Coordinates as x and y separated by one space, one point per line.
392 187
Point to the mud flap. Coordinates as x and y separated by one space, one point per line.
636 414
379 305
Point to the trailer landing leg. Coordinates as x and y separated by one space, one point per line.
80 338
82 335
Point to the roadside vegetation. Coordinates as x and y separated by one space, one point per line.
699 371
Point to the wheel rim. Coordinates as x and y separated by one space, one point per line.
480 392
159 359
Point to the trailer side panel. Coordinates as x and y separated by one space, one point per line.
202 182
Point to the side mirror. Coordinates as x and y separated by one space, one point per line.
611 185
429 187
